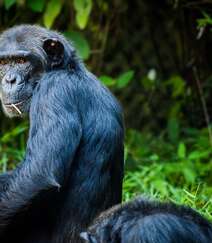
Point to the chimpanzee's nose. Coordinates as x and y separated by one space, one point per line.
12 78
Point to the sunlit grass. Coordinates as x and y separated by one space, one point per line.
152 181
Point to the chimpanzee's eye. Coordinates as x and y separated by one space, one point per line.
21 60
4 61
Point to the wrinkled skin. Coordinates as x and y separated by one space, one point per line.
17 84
21 69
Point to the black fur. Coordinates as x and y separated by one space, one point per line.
73 166
145 221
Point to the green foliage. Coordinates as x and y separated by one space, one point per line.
7 137
177 172
181 152
83 9
108 81
177 84
52 11
173 129
120 82
168 151
9 3
124 79
12 146
204 21
80 43
152 181
36 6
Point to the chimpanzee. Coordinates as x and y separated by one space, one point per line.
148 221
73 165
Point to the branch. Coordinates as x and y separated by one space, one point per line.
204 106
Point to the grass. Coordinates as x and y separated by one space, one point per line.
155 180
180 172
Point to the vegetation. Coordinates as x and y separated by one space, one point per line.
155 56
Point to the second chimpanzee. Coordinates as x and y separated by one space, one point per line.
73 166
147 221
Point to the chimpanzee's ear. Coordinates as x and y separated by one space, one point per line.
88 237
55 51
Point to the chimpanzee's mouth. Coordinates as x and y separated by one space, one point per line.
17 106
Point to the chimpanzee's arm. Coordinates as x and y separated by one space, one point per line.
55 133
4 179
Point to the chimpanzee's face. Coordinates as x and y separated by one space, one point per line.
18 79
24 59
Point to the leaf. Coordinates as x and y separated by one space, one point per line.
173 129
198 155
36 6
108 81
204 21
80 43
79 5
9 3
124 79
52 11
81 19
181 151
178 85
83 9
189 175
161 185
154 157
15 132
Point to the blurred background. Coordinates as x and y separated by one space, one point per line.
156 57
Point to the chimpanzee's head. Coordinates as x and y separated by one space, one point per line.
144 221
26 54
